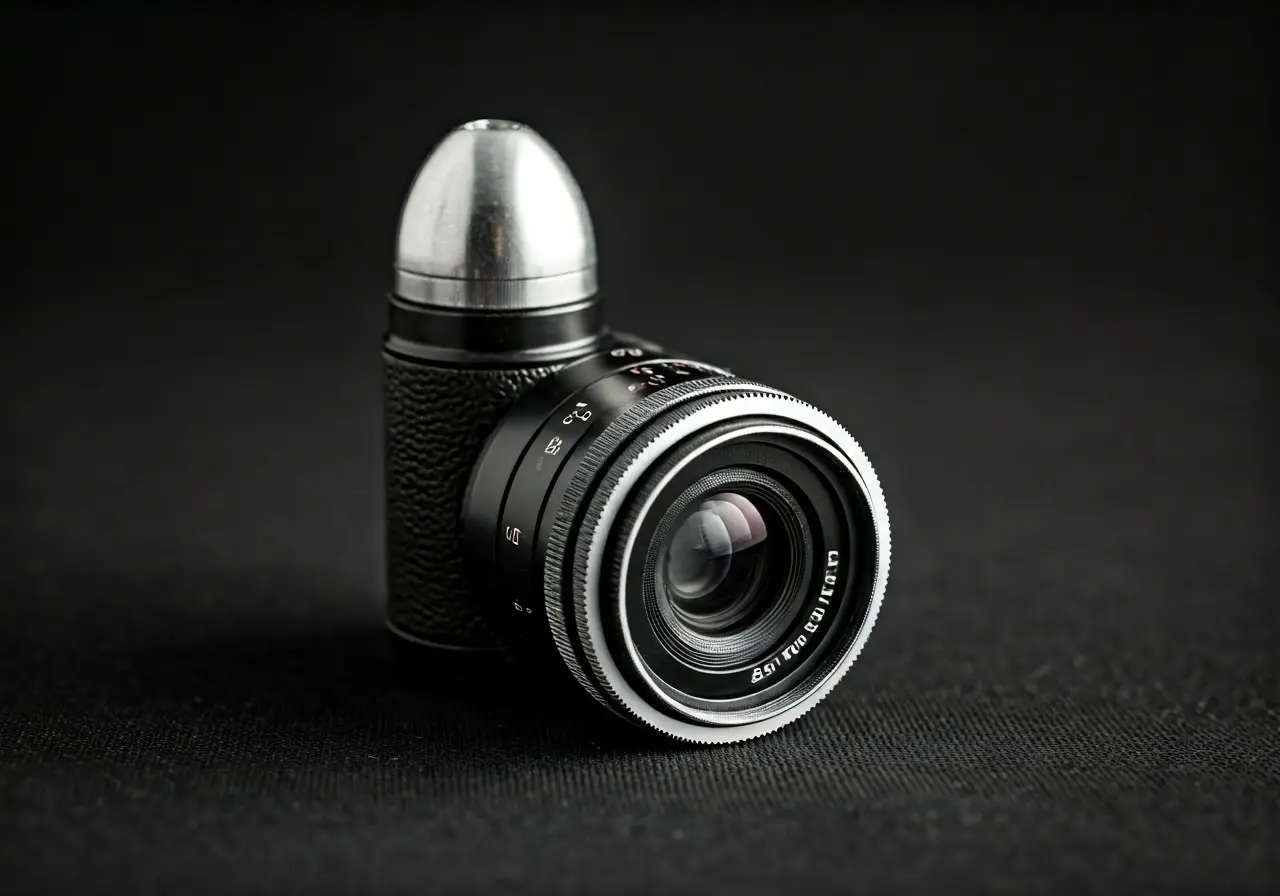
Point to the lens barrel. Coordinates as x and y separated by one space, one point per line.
705 554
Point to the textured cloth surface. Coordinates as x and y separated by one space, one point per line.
1073 682
1027 264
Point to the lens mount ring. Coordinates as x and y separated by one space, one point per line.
609 476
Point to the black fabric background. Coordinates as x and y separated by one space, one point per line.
1028 261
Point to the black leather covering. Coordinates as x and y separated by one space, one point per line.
437 420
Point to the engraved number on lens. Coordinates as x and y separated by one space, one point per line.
513 535
580 412
553 447
650 379
759 673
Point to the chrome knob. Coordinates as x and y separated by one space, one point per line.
495 221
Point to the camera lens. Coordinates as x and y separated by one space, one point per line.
706 555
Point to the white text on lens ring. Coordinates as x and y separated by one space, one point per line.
791 651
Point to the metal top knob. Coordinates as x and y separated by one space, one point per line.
495 222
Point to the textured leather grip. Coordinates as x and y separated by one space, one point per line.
436 421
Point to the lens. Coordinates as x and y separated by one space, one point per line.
705 555
727 562
716 561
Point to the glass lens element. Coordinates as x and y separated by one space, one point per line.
716 560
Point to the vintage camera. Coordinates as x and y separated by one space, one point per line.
705 554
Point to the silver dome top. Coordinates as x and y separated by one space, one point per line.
495 221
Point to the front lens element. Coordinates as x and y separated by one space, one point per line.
716 561
724 568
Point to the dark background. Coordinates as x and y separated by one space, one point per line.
1027 260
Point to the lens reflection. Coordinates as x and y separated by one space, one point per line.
716 560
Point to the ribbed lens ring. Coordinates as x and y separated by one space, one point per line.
776 596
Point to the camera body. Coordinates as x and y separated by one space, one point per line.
439 418
705 555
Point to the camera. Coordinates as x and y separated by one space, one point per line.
705 554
